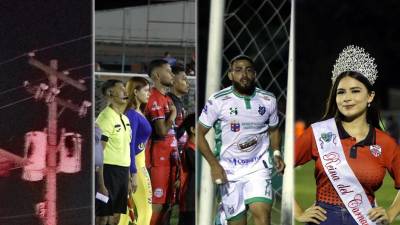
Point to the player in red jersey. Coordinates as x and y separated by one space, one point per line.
180 173
162 147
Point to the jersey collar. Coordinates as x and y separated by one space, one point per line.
237 94
370 139
157 91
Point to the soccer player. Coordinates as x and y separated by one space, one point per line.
245 120
179 89
116 135
187 192
162 148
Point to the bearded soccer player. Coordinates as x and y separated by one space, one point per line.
162 146
245 120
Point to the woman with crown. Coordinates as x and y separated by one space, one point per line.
351 152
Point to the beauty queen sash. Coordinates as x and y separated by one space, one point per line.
339 172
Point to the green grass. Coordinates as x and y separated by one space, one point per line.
305 189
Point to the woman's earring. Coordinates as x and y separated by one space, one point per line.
369 104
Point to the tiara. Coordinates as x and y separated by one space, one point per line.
354 58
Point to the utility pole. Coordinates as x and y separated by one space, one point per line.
48 93
51 181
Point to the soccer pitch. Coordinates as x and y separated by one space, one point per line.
305 189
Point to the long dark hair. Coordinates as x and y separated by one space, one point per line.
331 110
135 83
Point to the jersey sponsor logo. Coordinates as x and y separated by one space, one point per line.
247 144
376 150
141 146
244 162
326 138
233 111
261 110
250 125
155 106
235 126
158 192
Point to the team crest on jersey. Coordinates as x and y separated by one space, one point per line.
233 111
376 150
326 138
261 110
235 126
158 192
155 106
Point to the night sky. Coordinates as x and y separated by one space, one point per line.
323 30
25 26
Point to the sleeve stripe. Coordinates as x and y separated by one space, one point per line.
274 125
206 126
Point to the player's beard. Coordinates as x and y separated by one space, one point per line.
244 90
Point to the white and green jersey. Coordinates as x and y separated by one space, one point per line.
241 124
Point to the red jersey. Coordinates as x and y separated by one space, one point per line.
158 108
187 178
369 159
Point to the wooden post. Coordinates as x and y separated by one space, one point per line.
51 181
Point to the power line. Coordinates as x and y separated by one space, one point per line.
13 59
16 102
79 67
45 48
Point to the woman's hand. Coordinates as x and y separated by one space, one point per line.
314 214
379 215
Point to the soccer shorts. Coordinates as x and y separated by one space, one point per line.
116 181
236 195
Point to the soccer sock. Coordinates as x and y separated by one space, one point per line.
155 218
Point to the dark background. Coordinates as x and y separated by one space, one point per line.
203 19
25 26
324 29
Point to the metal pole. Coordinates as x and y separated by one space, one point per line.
287 183
146 49
51 181
123 40
183 36
214 65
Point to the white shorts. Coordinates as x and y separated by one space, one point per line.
254 187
